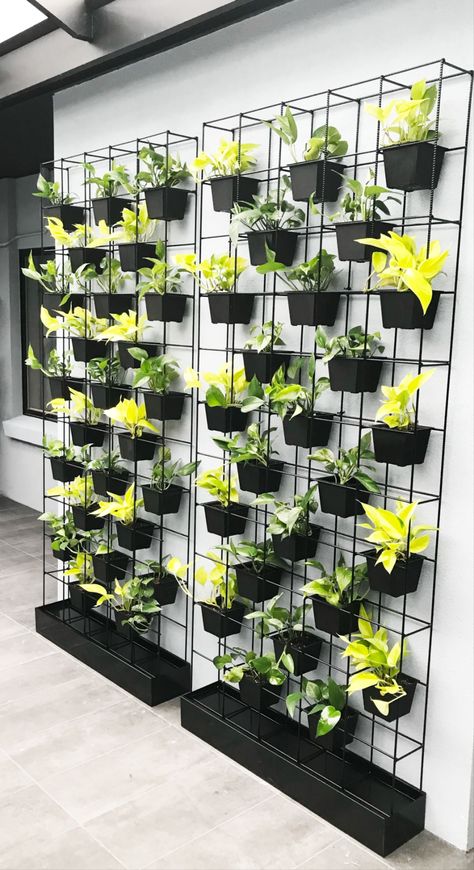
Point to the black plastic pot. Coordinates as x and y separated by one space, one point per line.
68 214
84 433
226 521
341 500
404 311
166 203
302 431
113 303
413 165
258 695
104 396
80 600
129 362
257 478
137 449
296 547
348 231
397 708
64 471
85 519
110 566
166 307
90 256
305 652
282 242
400 446
137 536
354 375
85 349
109 209
227 190
340 736
313 308
403 579
220 622
166 590
134 256
64 555
335 620
231 307
166 502
120 624
263 365
320 178
60 387
230 419
52 301
257 587
166 407
110 481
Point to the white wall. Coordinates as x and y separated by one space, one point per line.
294 50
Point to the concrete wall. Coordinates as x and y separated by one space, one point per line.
293 50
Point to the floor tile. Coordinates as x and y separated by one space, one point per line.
73 850
22 648
29 812
171 711
344 854
105 783
66 745
427 851
9 628
195 799
11 777
39 675
14 561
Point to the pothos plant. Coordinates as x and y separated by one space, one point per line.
355 344
312 276
256 554
275 618
105 370
217 274
166 567
289 519
327 698
349 464
79 492
287 399
129 326
393 533
407 120
158 373
364 201
122 508
160 277
65 535
229 158
220 485
135 598
82 236
52 276
132 416
134 226
226 386
78 408
165 473
257 448
81 568
54 447
398 410
51 190
341 586
162 170
324 141
265 337
223 583
57 366
268 213
111 182
264 669
78 322
111 279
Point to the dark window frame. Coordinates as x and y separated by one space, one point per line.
27 411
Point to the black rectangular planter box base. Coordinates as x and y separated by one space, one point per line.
349 793
154 677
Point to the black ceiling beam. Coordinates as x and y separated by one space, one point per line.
73 16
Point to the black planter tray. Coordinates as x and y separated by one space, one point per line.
404 311
231 307
360 799
166 307
302 431
400 447
308 308
151 674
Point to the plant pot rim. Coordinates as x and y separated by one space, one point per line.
267 232
414 142
227 508
219 609
309 636
315 415
382 427
332 478
313 526
372 554
346 608
318 160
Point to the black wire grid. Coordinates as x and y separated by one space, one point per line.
397 749
148 655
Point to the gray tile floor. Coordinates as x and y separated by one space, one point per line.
91 779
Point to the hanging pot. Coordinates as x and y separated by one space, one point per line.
304 650
321 179
257 478
109 567
259 695
85 349
347 233
105 396
228 190
402 580
313 308
263 365
400 446
166 307
166 589
64 555
354 374
303 431
60 387
413 165
86 256
135 256
79 599
231 307
84 433
63 470
68 214
398 708
335 620
109 209
341 734
166 203
281 242
224 420
53 301
129 362
85 519
297 547
404 311
225 521
107 304
121 625
258 587
137 536
163 502
115 481
168 406
220 622
137 449
341 500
